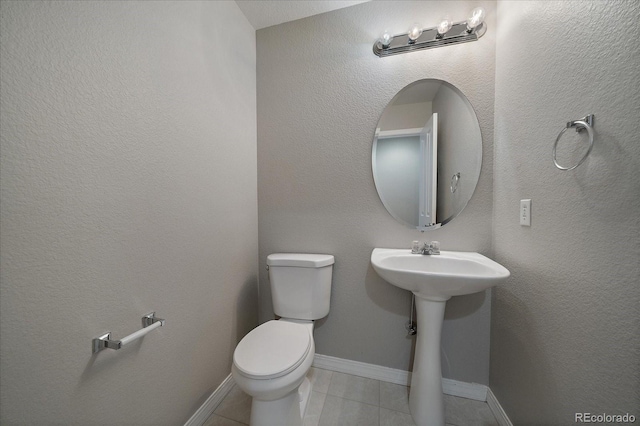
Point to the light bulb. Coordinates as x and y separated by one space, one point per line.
385 39
476 18
414 32
444 25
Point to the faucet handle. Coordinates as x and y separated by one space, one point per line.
432 247
435 247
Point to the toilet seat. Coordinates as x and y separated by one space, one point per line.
272 349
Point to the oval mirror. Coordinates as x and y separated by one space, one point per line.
427 154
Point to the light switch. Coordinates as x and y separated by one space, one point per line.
525 212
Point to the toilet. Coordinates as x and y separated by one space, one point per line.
271 362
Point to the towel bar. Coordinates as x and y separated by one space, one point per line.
149 322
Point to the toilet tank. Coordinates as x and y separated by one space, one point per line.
300 284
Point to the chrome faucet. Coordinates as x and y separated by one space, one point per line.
431 248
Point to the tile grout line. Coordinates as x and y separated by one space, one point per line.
228 418
355 400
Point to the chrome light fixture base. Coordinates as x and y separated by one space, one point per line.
459 33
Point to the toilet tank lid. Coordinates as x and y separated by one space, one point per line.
301 260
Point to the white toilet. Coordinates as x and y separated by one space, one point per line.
271 362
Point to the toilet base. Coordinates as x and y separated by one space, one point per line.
305 395
286 411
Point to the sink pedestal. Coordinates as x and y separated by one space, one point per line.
434 280
426 401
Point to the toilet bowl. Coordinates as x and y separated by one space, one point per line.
271 362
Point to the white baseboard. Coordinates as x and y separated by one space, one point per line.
202 414
464 390
362 369
371 371
497 410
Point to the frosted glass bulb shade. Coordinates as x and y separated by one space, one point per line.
445 25
414 32
476 18
385 39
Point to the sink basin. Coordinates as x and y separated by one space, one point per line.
438 277
434 279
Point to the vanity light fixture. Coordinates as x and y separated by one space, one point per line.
447 32
385 39
444 26
476 18
414 33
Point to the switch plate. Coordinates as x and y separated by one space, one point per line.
525 212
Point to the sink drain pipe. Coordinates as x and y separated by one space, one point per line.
411 326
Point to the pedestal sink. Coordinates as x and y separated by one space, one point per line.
434 279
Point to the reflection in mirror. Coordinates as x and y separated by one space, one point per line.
427 154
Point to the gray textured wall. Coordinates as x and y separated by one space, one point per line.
321 92
128 185
565 327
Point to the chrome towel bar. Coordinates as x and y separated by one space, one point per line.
149 322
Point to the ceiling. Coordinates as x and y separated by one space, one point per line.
262 14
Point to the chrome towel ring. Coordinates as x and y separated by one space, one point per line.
583 123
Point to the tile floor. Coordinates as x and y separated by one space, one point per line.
342 399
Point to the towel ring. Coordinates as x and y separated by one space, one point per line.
584 123
454 182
